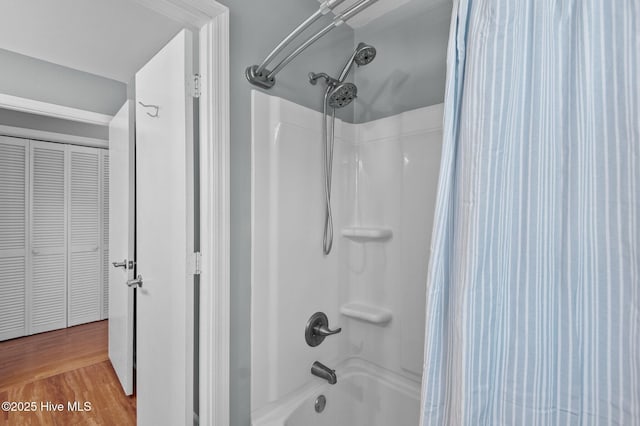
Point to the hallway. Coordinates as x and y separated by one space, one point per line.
69 367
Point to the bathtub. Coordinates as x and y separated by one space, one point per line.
365 395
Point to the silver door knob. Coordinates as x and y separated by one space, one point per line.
136 282
122 264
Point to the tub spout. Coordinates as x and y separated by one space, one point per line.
324 372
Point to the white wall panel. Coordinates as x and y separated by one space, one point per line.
13 214
397 175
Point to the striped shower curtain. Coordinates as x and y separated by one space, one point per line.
533 310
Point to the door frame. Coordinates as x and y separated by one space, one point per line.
215 240
210 20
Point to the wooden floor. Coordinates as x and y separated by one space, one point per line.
68 366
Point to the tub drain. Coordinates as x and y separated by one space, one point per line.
321 402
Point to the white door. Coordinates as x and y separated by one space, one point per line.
121 249
164 230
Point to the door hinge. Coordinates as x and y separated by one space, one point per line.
197 262
196 88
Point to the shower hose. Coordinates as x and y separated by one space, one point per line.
328 137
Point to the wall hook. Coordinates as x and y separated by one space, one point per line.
157 108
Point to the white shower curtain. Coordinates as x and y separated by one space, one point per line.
533 311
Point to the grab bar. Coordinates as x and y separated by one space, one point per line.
325 8
337 21
260 76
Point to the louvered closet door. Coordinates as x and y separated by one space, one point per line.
105 233
47 292
13 212
85 235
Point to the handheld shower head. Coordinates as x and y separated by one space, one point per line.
363 55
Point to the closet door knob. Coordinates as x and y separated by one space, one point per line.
137 282
122 264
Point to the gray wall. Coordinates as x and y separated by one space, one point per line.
256 27
50 124
32 78
409 71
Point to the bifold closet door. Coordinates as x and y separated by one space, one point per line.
13 236
104 155
85 236
47 284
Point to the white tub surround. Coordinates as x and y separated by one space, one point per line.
364 395
291 279
372 284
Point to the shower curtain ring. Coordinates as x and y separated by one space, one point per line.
157 108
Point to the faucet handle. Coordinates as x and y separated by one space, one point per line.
323 330
318 328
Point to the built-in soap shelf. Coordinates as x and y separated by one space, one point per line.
362 234
365 312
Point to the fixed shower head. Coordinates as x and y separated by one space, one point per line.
342 95
363 55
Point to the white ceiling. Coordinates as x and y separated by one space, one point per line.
109 38
378 9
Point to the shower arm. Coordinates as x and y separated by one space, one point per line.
260 76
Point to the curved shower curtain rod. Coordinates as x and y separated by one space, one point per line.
260 76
